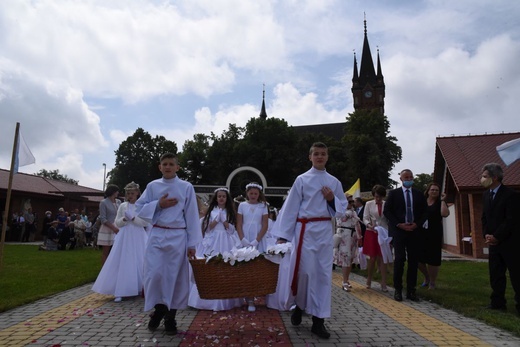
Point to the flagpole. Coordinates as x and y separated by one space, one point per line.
8 196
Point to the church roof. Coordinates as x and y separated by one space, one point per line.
464 157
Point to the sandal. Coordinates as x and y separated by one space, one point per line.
384 289
346 287
369 284
425 284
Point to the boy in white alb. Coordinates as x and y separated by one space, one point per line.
314 199
170 205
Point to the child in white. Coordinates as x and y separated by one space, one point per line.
218 228
171 205
346 242
314 198
252 222
122 273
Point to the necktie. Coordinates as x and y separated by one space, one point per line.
409 214
491 196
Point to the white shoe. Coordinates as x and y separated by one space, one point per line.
251 306
118 299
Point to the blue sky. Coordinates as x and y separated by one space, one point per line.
81 76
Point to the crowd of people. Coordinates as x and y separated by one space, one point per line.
170 225
405 227
147 240
64 230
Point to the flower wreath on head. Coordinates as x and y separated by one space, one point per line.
254 185
223 189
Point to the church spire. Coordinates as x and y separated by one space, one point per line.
263 114
379 71
367 74
355 76
368 87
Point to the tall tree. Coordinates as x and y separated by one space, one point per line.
222 155
421 181
193 159
55 175
137 159
268 146
372 152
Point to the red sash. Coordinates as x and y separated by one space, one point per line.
304 221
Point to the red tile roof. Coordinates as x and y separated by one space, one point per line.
466 155
39 185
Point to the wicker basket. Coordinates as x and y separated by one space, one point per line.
219 280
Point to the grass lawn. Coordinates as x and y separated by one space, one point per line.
463 286
28 275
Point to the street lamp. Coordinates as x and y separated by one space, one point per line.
104 175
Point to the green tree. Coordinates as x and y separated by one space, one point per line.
421 181
137 159
55 175
268 146
222 155
372 152
193 159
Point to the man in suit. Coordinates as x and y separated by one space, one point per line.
406 210
500 226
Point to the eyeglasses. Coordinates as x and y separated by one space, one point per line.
350 201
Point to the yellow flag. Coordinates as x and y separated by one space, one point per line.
355 190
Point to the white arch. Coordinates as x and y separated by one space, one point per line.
246 168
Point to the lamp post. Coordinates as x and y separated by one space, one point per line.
104 175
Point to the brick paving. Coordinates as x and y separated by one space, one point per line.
360 318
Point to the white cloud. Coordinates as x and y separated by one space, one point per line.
73 72
54 119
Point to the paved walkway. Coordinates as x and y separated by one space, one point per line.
360 318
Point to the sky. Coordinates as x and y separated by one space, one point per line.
82 76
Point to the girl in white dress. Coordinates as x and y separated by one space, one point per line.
122 273
218 228
252 223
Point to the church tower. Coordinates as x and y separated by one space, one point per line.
368 87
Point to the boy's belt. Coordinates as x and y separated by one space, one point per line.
304 221
169 228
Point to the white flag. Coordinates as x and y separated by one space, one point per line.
23 154
509 151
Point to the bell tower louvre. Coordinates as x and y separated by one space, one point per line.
368 87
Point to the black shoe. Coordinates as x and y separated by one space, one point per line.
157 316
497 308
296 317
170 324
398 296
412 296
318 328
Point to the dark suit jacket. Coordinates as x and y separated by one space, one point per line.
395 209
500 218
360 216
